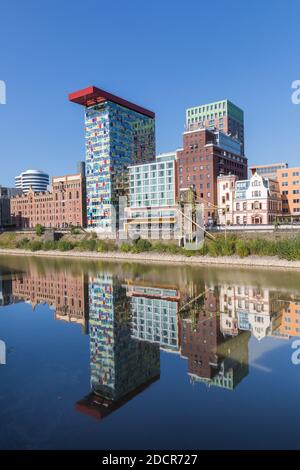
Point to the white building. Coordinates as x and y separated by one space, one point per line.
36 179
154 315
248 202
152 211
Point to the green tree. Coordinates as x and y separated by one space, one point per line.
39 230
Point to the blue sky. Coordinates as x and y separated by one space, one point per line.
164 55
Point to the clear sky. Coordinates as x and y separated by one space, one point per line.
165 55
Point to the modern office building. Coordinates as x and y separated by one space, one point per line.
5 196
268 171
154 314
205 155
289 186
61 207
152 210
255 201
117 134
222 115
37 180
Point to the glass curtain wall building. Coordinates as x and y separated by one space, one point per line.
154 315
117 134
153 192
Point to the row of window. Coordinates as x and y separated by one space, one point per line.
208 107
294 183
295 191
208 117
294 173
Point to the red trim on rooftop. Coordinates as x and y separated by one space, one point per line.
93 95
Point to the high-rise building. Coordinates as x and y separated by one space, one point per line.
117 134
289 185
36 180
205 155
268 171
222 115
199 337
121 366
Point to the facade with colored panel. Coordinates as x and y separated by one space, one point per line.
117 134
120 364
222 115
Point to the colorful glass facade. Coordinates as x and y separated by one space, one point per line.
116 137
120 364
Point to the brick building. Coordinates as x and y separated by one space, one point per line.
61 207
223 115
205 155
199 339
65 293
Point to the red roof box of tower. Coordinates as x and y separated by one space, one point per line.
92 95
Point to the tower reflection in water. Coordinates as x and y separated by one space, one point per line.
121 366
129 321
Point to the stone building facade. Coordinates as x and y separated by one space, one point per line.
61 207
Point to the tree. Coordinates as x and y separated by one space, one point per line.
39 230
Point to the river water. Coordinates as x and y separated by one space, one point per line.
129 356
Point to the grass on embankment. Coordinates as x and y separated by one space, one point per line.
284 248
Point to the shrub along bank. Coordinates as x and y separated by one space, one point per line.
288 248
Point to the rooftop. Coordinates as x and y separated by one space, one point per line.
93 95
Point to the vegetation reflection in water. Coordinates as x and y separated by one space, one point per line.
131 312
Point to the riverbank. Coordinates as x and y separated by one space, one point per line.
265 262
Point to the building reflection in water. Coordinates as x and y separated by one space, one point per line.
121 365
5 289
129 321
66 294
154 312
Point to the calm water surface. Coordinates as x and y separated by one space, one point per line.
125 356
